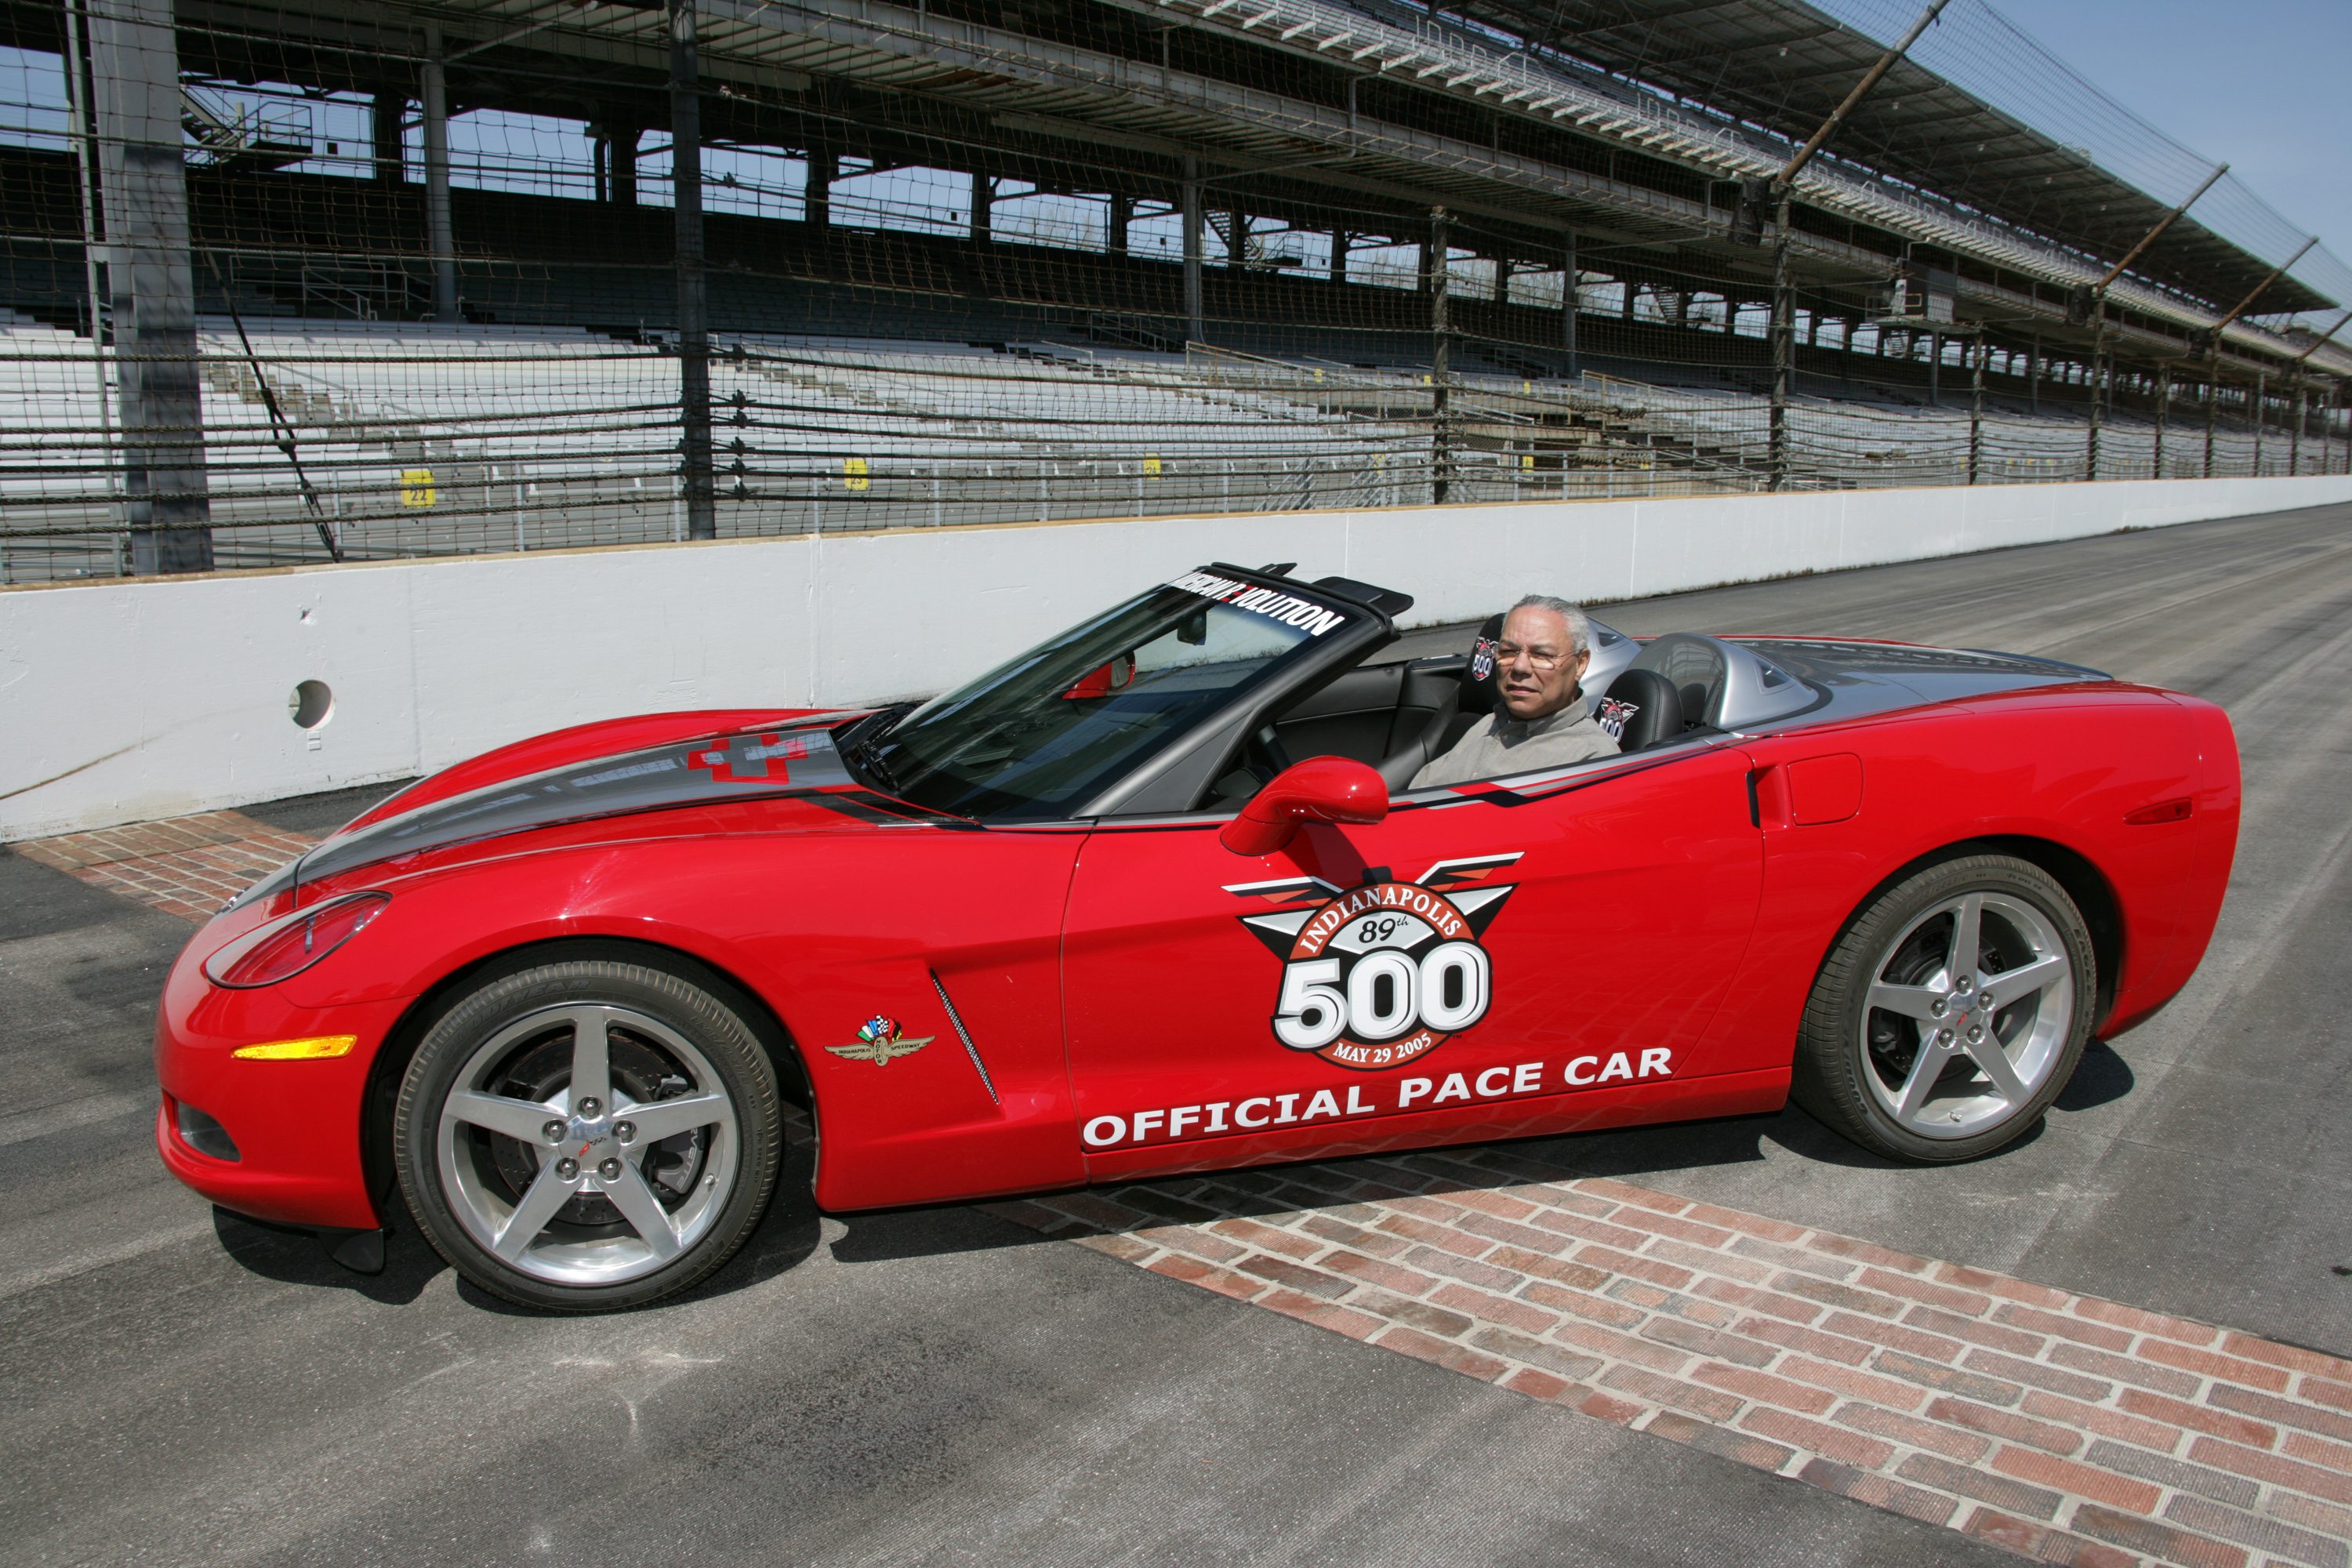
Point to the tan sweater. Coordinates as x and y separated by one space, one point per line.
1500 744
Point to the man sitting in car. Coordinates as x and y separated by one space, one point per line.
1541 720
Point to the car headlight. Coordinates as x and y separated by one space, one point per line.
292 943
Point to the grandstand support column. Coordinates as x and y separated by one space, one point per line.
135 69
1784 350
2262 396
1340 239
1191 194
2163 412
2213 401
2099 374
2102 369
2033 376
1977 351
817 201
1439 269
2295 436
387 112
439 236
621 164
1122 214
693 317
1567 305
2296 366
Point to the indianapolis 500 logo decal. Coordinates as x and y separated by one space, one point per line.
1380 975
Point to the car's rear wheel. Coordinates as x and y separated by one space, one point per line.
1951 1013
586 1136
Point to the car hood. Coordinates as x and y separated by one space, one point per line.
789 758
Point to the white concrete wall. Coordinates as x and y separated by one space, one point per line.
123 701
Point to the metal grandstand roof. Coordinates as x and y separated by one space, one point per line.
913 54
1784 65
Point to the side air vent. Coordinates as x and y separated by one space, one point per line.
964 1035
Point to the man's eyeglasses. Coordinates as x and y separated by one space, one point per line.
1543 658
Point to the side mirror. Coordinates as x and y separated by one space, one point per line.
1103 680
1321 789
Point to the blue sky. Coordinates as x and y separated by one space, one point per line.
2261 84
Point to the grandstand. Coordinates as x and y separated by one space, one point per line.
420 279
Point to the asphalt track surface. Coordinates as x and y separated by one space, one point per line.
941 1386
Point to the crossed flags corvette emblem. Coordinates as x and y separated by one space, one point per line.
880 1041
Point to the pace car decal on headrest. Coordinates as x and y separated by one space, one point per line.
1308 616
1481 659
1615 715
1380 974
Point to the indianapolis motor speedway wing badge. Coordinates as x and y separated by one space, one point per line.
880 1042
1380 975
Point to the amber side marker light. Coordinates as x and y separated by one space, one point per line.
2162 810
317 1048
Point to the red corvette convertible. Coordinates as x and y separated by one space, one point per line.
1155 896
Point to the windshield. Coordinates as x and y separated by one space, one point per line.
1042 734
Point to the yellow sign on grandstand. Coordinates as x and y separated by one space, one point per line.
416 488
1152 467
853 474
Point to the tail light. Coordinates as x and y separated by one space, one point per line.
292 943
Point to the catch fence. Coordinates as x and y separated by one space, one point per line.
319 284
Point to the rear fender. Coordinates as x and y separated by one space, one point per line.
2062 771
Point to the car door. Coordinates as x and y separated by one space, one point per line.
1486 963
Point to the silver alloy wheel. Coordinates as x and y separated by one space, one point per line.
1959 1035
588 1140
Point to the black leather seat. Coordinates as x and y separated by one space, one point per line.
1649 709
1454 720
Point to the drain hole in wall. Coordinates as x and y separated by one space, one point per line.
312 704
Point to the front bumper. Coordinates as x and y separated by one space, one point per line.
295 1124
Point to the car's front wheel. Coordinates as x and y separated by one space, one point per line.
1951 1013
590 1135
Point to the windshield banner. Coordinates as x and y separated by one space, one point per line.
1287 608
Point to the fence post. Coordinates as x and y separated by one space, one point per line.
693 315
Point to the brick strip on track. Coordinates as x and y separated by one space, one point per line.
187 866
2067 1428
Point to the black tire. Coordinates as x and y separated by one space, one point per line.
1855 1062
511 1048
